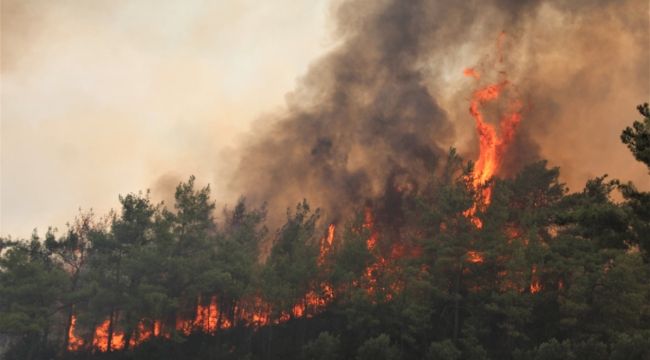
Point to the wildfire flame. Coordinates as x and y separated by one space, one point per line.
209 319
101 338
492 144
326 244
474 257
74 343
535 285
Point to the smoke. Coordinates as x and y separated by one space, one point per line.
389 100
361 113
112 97
109 97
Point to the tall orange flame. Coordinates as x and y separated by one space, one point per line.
207 316
256 312
492 144
326 244
74 343
101 337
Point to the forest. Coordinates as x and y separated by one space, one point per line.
423 272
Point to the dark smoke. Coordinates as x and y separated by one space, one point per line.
371 109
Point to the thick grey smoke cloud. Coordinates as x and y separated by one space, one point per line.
361 113
384 103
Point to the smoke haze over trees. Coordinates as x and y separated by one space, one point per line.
549 275
378 106
361 219
201 73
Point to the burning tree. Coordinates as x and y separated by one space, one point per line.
415 253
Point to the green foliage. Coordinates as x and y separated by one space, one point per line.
631 346
378 348
325 347
30 287
31 290
554 350
637 203
637 137
232 271
637 208
291 266
443 350
546 275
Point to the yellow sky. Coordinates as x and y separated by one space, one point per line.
101 98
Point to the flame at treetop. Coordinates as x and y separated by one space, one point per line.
326 244
492 144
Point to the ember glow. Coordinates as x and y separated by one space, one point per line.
474 257
535 285
373 270
145 331
384 262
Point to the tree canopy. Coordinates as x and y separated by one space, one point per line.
540 273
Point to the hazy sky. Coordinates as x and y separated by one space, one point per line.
101 98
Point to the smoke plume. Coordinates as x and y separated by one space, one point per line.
388 101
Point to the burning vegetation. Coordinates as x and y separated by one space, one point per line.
413 252
432 264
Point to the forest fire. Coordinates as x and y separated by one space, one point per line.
208 318
106 338
383 263
492 144
535 285
74 343
372 271
326 244
362 196
474 257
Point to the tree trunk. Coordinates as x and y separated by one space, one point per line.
128 334
220 315
66 337
111 321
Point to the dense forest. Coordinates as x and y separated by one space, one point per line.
538 273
